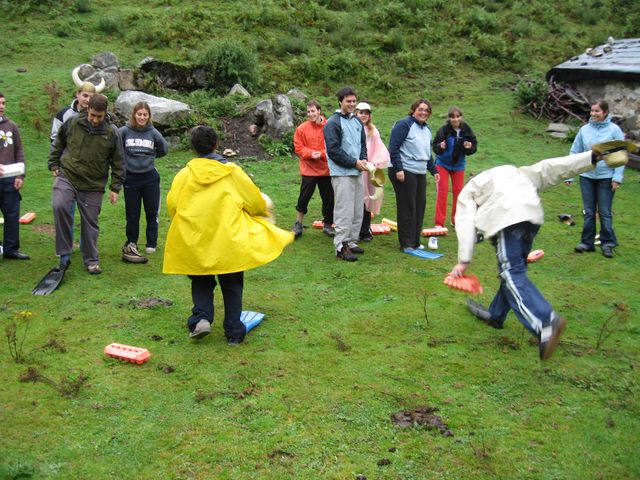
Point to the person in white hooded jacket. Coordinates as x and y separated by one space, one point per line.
503 203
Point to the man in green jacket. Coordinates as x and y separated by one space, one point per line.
85 149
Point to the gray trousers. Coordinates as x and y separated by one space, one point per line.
89 205
348 195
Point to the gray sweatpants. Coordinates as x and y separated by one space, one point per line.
89 205
348 195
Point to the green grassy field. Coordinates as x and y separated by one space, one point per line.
311 392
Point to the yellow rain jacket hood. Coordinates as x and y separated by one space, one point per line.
217 222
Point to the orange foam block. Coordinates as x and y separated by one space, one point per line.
28 217
380 228
466 283
535 255
127 353
392 224
432 232
318 224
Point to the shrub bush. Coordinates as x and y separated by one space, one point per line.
228 62
528 91
108 25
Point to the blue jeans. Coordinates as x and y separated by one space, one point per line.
517 292
597 194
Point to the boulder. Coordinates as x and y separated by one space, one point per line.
164 112
105 60
295 93
238 89
558 127
274 118
85 71
127 80
174 76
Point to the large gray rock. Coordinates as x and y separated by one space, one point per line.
174 76
164 112
127 80
274 118
105 60
85 71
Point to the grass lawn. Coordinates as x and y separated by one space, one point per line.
311 392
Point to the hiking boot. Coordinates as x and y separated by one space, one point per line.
346 253
94 269
353 246
329 230
130 254
550 336
297 229
201 330
483 314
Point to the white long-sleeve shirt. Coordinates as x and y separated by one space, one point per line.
506 195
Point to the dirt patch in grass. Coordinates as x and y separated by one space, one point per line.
45 228
150 302
424 417
237 137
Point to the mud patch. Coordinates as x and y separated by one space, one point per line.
150 302
237 137
54 344
45 228
424 417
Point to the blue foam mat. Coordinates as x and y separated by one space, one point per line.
251 319
423 253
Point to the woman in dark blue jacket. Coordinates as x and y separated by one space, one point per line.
454 141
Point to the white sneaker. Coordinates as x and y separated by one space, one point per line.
150 250
420 247
433 243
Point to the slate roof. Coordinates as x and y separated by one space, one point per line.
621 62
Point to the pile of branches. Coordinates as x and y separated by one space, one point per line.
561 103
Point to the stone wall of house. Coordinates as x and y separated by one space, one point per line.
623 98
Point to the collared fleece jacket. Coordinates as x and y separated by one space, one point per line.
11 150
599 132
506 195
454 156
85 154
309 138
345 143
410 147
218 222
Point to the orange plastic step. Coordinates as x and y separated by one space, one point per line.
28 217
432 232
127 353
380 228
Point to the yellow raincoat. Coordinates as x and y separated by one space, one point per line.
217 223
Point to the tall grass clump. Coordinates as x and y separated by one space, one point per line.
229 62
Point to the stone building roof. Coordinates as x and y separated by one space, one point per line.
615 60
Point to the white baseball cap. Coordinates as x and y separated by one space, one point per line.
363 106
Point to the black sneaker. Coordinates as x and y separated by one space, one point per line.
329 230
607 252
355 248
367 237
550 336
346 254
581 248
483 314
234 341
297 229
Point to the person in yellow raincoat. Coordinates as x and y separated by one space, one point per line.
219 228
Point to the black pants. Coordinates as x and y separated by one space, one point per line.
411 202
202 287
365 229
142 188
10 207
307 187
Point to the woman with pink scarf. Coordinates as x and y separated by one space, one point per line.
378 156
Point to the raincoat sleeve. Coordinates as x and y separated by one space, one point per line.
253 203
299 144
465 223
553 171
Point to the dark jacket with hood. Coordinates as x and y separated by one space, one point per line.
453 156
85 154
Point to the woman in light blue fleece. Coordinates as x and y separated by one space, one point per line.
598 186
410 151
142 144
